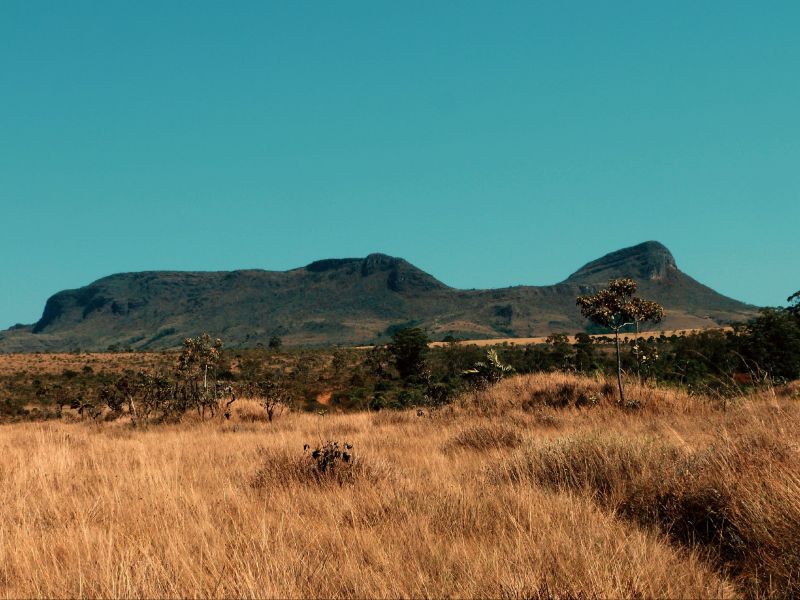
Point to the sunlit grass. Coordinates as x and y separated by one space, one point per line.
504 495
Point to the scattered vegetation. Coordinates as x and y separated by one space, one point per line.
512 472
512 494
206 378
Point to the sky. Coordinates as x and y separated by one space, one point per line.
489 143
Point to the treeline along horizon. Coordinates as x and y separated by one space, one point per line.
407 373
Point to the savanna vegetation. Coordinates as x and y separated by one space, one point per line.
539 486
406 470
405 373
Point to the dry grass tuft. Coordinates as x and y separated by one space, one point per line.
791 390
250 411
493 436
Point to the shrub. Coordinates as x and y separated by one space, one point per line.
329 463
488 372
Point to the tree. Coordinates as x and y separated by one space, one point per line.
560 351
275 343
200 359
378 361
201 354
771 343
274 396
409 347
794 304
339 362
252 364
585 359
615 308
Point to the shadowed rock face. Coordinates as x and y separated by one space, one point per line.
348 301
647 261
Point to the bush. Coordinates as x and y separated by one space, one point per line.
329 463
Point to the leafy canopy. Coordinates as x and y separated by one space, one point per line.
409 347
794 303
615 306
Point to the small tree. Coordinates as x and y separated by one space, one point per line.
275 343
615 308
200 361
201 355
585 359
274 396
560 351
378 361
409 347
339 362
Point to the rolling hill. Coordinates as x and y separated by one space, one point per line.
348 301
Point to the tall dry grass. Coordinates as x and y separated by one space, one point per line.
506 495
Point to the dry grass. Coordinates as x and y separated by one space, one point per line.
507 495
571 338
492 436
56 363
739 498
540 391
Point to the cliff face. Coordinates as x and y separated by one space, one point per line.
347 301
647 261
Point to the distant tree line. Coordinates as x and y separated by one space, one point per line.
207 379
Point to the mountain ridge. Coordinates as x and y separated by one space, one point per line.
348 301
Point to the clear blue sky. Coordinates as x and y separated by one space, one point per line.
490 143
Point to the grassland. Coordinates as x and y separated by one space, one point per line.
524 341
58 362
538 487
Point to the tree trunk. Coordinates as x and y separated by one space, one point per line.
619 370
638 356
132 411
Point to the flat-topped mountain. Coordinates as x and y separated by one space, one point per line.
348 301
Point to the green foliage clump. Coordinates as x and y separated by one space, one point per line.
489 371
409 348
772 343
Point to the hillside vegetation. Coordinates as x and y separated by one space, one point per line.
540 486
350 301
407 373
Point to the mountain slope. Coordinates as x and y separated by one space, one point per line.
347 301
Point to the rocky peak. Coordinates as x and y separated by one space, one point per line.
649 260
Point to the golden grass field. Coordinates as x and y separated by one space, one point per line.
55 363
515 492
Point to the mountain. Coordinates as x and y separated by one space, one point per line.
348 301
